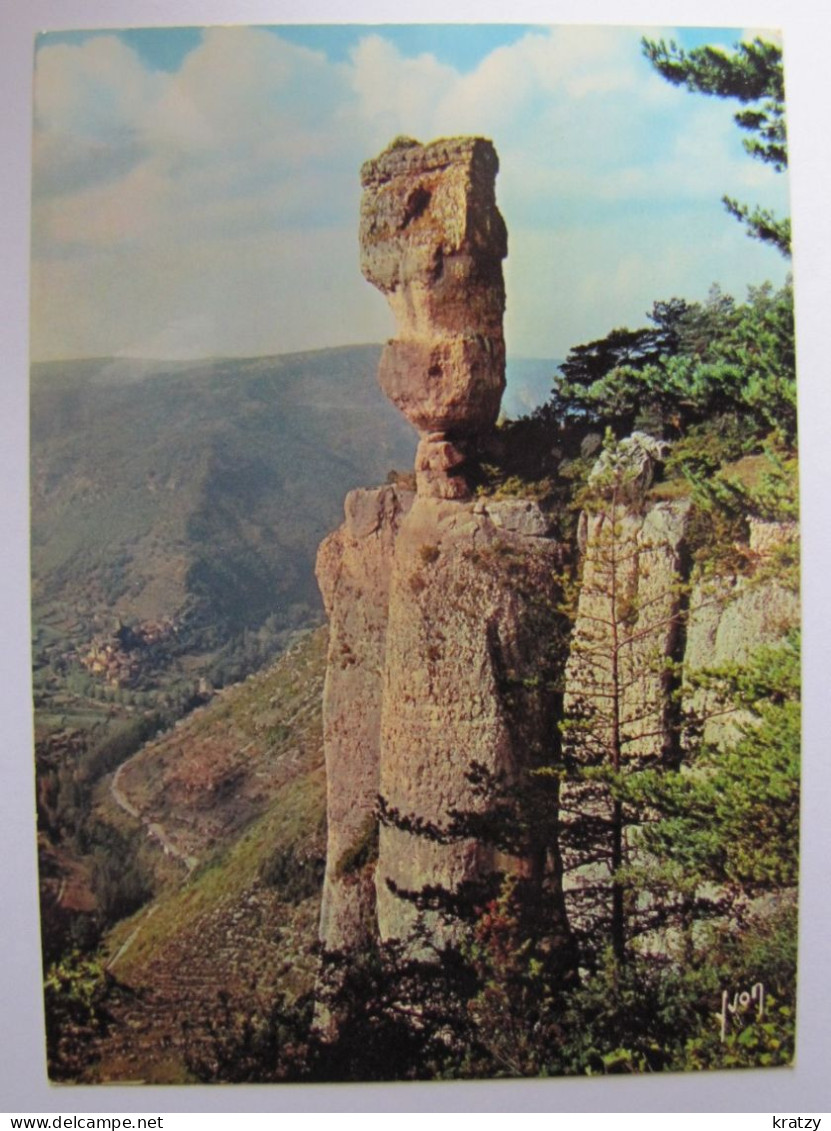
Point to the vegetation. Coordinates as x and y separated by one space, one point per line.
754 75
173 543
725 365
77 991
200 526
652 924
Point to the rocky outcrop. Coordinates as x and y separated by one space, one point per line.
436 605
433 241
626 471
627 626
354 566
645 629
628 630
731 617
629 612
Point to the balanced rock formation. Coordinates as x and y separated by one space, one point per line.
433 241
447 636
437 603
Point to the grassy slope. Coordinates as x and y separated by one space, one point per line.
222 927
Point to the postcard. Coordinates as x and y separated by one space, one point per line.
414 552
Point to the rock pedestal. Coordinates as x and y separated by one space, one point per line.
471 605
438 611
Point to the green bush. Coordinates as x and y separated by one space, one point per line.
362 852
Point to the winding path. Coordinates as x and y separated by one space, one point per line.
154 829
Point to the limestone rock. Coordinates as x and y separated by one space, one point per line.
617 686
432 240
520 516
470 611
733 617
353 571
630 467
628 621
768 537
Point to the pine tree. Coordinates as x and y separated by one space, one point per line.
754 75
618 704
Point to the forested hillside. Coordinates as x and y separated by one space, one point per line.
192 496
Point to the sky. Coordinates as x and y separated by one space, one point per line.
196 191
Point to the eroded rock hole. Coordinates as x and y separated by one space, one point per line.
416 205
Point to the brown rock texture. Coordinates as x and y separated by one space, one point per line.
731 618
437 610
471 607
429 639
432 240
353 570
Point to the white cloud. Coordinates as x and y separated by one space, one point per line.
89 100
396 95
226 193
92 89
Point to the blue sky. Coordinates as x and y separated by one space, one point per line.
196 191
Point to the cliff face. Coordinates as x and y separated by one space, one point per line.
732 617
447 666
627 624
618 702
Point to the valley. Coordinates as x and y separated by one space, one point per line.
236 879
176 511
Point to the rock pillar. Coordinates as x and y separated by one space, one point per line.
437 605
353 570
618 704
467 697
